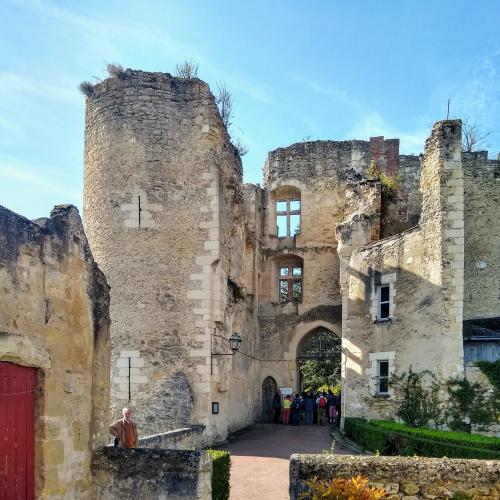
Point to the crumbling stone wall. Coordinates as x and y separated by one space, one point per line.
424 268
151 474
54 317
482 235
326 176
404 212
402 477
163 213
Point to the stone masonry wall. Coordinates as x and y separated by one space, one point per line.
325 176
482 236
151 474
54 317
162 206
404 213
424 269
401 477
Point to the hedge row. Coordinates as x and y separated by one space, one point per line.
386 440
221 463
457 438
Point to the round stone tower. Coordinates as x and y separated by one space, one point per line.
158 161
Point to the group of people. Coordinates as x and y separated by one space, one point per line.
307 408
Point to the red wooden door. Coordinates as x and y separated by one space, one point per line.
17 432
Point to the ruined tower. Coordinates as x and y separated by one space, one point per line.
162 199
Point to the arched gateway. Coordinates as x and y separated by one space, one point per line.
318 359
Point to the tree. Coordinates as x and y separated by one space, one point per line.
473 137
187 70
420 403
320 361
224 102
241 148
317 374
469 403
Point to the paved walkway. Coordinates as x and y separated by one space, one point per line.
259 458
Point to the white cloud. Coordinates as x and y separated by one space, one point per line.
28 175
373 125
480 96
12 83
108 38
327 89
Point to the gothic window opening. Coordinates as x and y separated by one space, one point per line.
290 283
287 217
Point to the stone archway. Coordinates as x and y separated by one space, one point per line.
269 389
318 358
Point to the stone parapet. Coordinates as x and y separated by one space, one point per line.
401 477
120 473
178 439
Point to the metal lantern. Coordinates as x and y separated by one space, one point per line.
234 342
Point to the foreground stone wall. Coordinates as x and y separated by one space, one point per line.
151 474
54 317
402 477
424 269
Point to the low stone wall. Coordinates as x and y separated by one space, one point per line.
148 474
180 439
410 478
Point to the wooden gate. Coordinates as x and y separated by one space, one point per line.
17 432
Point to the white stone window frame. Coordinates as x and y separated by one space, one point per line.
373 372
385 280
288 213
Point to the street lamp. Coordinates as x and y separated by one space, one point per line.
234 344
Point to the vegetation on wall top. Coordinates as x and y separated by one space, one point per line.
390 184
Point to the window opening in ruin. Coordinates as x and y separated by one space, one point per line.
383 377
290 283
384 302
288 217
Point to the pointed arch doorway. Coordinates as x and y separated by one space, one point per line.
319 355
269 389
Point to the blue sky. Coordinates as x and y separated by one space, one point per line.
297 70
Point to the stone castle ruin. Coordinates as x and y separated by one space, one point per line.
193 255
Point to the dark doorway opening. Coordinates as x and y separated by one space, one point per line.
269 389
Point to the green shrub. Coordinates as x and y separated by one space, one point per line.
457 438
221 461
391 437
419 392
492 370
